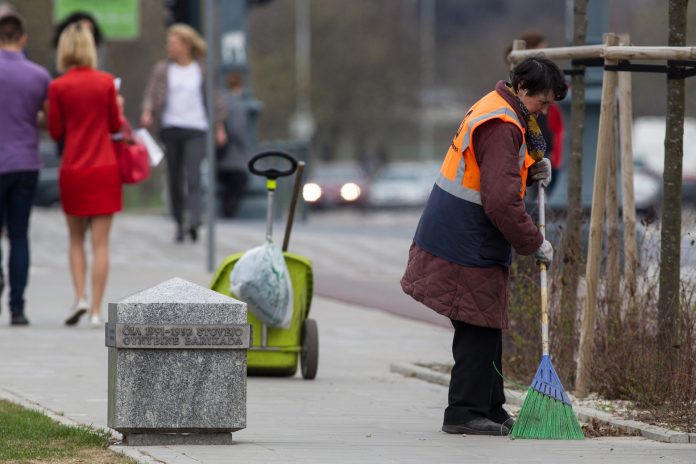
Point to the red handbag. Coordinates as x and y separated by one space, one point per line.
133 159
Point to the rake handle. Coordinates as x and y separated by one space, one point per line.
541 197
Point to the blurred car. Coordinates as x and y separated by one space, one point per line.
649 151
647 190
47 191
403 184
335 184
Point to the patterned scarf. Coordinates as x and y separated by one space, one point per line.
536 145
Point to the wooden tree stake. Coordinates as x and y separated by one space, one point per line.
604 148
627 195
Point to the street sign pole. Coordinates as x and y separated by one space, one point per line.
209 145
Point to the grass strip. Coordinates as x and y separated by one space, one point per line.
29 435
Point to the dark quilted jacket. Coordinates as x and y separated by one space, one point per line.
475 295
479 295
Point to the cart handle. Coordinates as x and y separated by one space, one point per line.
273 173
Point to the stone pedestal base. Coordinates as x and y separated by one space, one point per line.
165 439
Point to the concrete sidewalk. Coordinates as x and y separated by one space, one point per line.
355 411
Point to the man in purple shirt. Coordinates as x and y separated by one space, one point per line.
23 90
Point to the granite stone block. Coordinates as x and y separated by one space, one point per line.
178 390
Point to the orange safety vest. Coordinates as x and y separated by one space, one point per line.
460 174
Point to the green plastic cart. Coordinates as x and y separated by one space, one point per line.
276 351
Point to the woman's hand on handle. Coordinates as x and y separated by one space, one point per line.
541 172
545 253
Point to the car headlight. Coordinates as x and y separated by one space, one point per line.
311 192
350 191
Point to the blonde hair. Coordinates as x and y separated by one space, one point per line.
190 37
76 48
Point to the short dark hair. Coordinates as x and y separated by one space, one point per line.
77 17
11 28
538 74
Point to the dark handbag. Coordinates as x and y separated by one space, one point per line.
132 156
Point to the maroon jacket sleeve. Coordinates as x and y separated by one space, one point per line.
496 145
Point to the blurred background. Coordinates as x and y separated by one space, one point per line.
355 86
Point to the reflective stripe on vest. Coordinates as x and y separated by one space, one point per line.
456 186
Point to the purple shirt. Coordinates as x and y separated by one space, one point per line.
23 89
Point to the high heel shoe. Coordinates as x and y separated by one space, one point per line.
77 311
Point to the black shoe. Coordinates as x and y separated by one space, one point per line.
193 232
478 426
19 319
179 237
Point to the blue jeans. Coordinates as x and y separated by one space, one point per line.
17 190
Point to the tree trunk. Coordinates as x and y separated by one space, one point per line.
571 249
668 300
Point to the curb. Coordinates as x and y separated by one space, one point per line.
516 398
134 454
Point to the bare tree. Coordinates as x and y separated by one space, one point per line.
572 245
670 253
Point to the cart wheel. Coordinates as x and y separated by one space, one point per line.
309 357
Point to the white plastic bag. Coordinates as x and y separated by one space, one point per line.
261 280
153 150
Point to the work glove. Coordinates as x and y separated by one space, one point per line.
541 172
545 253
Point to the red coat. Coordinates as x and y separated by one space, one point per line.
83 112
556 126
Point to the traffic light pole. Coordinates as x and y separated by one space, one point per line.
209 142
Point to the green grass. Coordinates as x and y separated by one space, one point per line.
29 435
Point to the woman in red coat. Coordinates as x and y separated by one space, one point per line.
83 111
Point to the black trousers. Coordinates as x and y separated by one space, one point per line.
476 389
185 150
232 184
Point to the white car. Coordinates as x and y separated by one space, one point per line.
403 184
649 151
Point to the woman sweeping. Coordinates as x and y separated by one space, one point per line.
459 261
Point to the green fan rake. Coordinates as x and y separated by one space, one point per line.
546 412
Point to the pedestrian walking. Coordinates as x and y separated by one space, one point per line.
23 90
175 98
232 157
459 260
83 111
